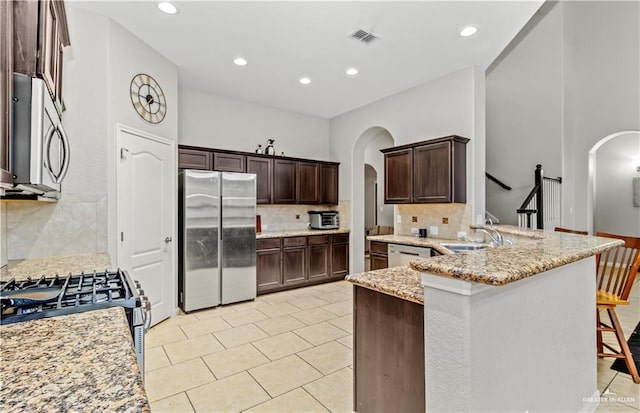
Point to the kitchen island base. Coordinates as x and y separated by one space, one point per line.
389 353
529 345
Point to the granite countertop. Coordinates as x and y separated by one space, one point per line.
533 252
299 233
71 363
50 266
428 242
402 282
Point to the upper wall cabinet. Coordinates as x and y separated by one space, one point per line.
40 35
433 171
280 179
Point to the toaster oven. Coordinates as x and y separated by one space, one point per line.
324 220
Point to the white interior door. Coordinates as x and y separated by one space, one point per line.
146 216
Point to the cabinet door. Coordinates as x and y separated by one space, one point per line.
49 37
339 259
6 87
284 181
432 173
228 162
378 261
294 265
308 183
318 252
398 176
268 269
194 159
329 183
263 168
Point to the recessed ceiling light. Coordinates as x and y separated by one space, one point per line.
240 61
167 7
351 71
469 30
305 80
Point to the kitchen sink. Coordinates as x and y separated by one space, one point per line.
460 247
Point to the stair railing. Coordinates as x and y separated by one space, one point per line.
542 204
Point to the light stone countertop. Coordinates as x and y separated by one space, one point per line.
71 363
50 266
533 252
299 233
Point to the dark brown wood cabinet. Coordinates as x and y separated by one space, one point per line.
308 183
329 183
194 159
378 255
280 180
228 162
263 168
6 87
284 181
431 171
388 353
318 256
339 255
398 177
40 35
268 264
292 262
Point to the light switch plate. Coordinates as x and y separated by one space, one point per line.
433 230
414 230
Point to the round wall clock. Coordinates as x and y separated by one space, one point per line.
147 98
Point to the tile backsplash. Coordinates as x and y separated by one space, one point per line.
457 216
76 224
283 217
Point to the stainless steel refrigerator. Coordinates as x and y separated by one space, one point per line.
216 238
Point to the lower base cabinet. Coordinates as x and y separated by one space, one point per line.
292 262
378 256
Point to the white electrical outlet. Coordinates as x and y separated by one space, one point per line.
433 230
399 219
414 231
264 227
461 234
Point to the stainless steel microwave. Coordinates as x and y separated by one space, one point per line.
40 150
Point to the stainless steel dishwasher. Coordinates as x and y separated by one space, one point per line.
402 254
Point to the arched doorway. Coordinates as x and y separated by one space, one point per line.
614 162
366 149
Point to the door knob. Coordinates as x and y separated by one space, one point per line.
168 240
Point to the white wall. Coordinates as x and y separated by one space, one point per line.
98 70
220 122
554 93
452 104
615 167
375 158
129 56
77 224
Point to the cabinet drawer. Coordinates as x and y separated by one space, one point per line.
318 239
339 238
268 243
228 162
294 242
379 247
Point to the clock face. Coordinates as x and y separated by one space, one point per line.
147 98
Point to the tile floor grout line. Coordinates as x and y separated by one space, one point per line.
314 397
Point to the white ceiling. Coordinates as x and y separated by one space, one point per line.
283 41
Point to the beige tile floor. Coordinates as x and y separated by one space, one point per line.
286 352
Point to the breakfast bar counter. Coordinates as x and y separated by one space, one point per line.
77 362
510 328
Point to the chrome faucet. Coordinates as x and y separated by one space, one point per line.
496 238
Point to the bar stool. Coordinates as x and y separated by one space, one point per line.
616 271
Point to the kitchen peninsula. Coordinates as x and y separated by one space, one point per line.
506 328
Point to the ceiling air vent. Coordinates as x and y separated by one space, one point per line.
364 36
